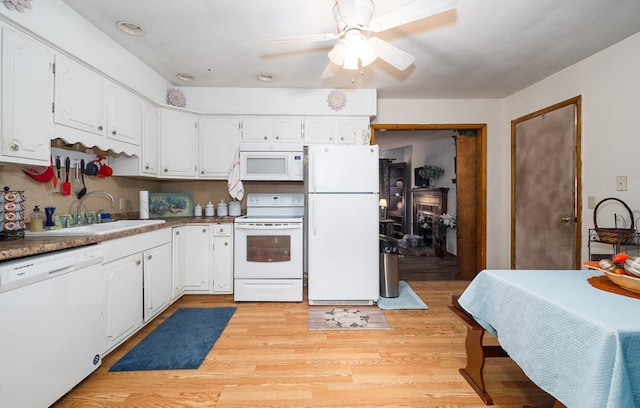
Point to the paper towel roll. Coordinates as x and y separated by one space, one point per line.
144 205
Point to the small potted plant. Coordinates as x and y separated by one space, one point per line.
431 173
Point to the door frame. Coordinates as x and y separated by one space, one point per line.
481 181
577 100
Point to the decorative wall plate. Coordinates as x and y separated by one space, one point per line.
19 5
175 97
337 100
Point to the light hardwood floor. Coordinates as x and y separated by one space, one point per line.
266 358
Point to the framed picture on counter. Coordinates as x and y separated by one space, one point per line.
165 205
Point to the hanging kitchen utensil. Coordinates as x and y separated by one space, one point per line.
83 191
58 168
77 186
54 179
92 169
66 186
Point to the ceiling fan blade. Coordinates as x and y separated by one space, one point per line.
416 10
391 54
302 39
330 71
355 12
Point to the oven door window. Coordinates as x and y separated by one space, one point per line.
269 248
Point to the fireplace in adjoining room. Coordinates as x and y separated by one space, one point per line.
428 204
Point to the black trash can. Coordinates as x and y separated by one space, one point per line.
389 268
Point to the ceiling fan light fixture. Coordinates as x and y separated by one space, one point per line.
337 54
351 61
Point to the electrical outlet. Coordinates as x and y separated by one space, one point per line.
591 202
122 203
621 183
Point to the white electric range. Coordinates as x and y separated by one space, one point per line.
268 249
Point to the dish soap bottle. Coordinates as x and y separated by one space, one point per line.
37 221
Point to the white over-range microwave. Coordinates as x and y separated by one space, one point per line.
271 162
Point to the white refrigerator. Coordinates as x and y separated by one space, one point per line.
342 225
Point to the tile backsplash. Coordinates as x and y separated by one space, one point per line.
126 188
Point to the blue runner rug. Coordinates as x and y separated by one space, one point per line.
180 342
408 299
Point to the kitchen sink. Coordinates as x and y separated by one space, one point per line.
96 229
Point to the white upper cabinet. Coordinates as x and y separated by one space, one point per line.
124 115
178 144
327 130
353 130
319 130
80 97
94 111
150 147
219 138
27 93
267 129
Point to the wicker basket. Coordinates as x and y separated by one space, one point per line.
615 236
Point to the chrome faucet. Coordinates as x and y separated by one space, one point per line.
90 193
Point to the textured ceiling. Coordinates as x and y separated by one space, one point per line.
482 49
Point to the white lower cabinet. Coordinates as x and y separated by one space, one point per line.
137 274
122 314
195 258
158 283
203 258
222 258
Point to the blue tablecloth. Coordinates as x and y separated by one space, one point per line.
578 343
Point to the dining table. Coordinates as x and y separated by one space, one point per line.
574 340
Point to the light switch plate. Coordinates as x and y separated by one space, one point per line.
621 183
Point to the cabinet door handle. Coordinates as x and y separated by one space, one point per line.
15 147
166 170
100 127
146 167
113 132
138 262
204 230
226 243
177 232
149 257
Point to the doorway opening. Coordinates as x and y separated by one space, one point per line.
468 184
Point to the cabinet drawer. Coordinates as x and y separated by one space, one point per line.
222 230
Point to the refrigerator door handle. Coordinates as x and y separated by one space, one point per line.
314 211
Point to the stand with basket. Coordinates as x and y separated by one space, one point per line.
615 236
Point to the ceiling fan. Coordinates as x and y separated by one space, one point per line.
356 48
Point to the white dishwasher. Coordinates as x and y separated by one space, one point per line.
50 325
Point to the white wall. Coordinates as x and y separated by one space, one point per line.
491 112
609 83
610 87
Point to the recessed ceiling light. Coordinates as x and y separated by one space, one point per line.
131 28
185 77
266 77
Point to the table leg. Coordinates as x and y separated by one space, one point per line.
476 353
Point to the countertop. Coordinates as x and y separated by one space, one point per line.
17 248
